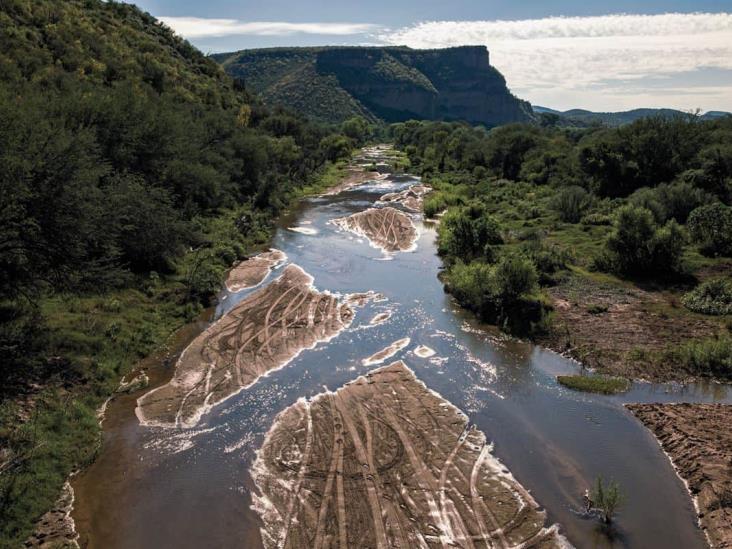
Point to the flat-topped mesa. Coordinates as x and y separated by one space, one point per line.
251 272
411 198
260 334
385 462
389 83
386 228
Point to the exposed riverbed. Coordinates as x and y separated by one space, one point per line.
160 487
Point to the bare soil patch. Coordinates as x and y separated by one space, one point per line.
262 333
385 462
617 329
386 228
698 440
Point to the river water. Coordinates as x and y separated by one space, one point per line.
190 488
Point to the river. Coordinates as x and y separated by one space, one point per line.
190 488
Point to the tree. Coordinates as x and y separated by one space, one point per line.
638 246
607 498
571 203
711 227
357 129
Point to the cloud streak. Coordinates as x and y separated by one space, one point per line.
588 61
200 27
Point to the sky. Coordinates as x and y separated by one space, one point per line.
563 54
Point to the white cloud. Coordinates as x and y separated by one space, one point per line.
588 61
200 27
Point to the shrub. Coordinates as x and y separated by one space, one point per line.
713 297
571 203
708 357
606 497
639 246
468 233
711 227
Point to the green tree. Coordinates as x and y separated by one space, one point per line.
607 497
711 227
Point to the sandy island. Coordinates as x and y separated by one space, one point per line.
422 351
386 228
385 462
411 198
261 333
698 440
386 353
251 272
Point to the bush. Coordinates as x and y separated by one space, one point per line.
571 203
639 246
500 294
468 233
711 227
713 297
708 357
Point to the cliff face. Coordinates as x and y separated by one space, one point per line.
390 83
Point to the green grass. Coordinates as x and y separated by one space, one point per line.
100 338
595 384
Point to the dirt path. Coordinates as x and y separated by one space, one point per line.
263 332
698 440
385 462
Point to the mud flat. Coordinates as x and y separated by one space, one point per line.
411 198
261 333
386 228
251 272
385 462
698 440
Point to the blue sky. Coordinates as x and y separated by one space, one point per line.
561 54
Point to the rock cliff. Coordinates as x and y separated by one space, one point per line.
387 83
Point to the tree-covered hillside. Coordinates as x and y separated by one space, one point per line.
133 172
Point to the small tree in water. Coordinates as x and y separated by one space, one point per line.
606 497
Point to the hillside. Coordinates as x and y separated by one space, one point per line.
387 83
582 117
133 172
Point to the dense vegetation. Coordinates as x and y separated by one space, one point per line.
529 205
133 172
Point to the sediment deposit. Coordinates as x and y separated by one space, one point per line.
385 462
261 333
698 440
251 272
386 228
411 198
386 353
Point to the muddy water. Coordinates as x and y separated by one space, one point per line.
189 488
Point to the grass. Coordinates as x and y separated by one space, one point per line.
98 338
595 384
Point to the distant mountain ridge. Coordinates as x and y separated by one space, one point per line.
587 118
392 84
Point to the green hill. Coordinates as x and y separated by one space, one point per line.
380 83
582 117
133 172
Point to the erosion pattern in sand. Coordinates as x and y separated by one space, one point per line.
252 271
698 439
384 462
386 228
260 334
411 198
